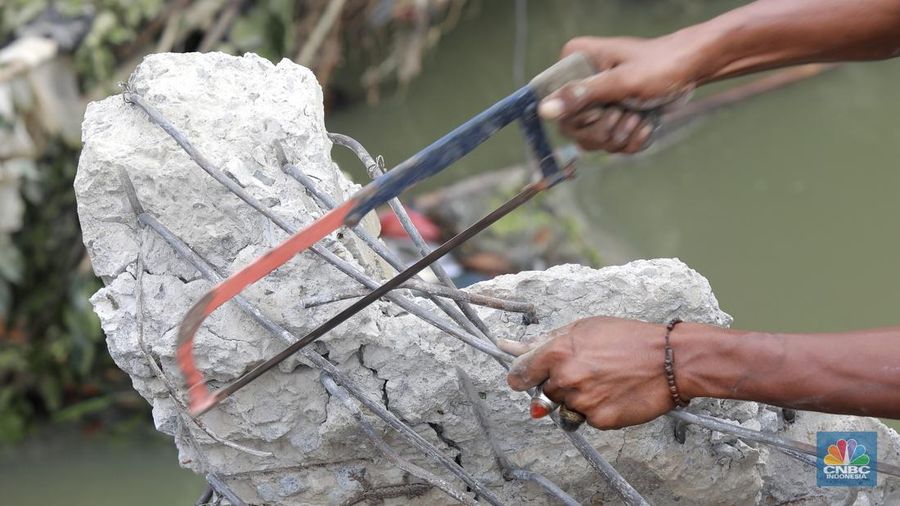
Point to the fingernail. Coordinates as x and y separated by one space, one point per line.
508 346
551 108
646 132
624 132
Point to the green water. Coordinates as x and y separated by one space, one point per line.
77 470
787 203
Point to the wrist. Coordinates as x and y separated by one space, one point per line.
703 50
712 361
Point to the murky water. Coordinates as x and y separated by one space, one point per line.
70 468
787 203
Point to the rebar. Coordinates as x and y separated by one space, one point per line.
208 272
507 469
795 449
377 246
628 494
158 119
221 488
425 288
719 425
374 170
157 370
385 449
594 458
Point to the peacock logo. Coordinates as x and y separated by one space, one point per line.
846 452
847 459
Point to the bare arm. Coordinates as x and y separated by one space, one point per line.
774 33
611 370
853 372
762 35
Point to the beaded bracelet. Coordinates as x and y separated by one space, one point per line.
670 366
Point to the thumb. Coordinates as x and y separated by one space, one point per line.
603 88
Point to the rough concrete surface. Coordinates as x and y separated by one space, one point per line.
234 109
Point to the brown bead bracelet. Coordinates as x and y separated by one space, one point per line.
670 366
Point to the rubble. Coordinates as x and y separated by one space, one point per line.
234 109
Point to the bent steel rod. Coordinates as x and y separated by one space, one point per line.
423 288
524 196
413 437
347 268
596 460
374 170
386 450
622 487
507 468
770 439
378 247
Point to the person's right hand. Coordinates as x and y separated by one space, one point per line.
609 110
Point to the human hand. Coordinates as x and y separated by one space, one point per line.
608 369
617 109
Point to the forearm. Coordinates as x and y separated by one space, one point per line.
852 373
774 33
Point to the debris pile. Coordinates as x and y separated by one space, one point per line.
284 439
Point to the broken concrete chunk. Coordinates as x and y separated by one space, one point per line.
234 110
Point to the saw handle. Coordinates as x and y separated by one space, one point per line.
574 67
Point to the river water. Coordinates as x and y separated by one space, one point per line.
787 203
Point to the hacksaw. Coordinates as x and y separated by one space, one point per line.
520 106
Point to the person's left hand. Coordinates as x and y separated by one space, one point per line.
608 369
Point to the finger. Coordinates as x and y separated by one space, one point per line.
516 348
619 133
609 121
576 44
586 117
641 138
597 135
529 370
606 418
569 419
624 129
554 391
533 368
603 88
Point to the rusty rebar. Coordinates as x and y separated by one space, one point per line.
157 370
385 449
375 245
222 488
507 468
208 272
158 119
374 170
594 458
719 425
425 288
